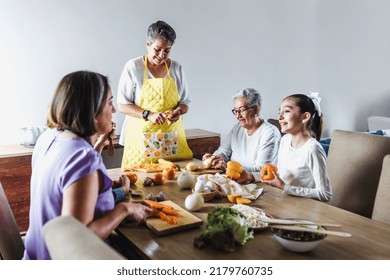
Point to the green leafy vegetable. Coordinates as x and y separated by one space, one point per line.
225 229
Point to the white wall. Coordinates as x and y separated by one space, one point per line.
337 47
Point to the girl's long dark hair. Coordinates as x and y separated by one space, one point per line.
306 104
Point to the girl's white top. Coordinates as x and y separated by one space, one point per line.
304 169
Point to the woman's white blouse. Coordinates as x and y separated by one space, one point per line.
253 151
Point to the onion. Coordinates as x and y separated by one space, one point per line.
186 180
194 202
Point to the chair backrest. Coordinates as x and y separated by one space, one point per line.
11 243
354 165
381 207
68 239
378 123
276 123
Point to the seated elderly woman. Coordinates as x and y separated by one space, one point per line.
253 142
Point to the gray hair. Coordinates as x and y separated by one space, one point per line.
162 30
253 97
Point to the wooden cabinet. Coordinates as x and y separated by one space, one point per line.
202 141
15 173
15 169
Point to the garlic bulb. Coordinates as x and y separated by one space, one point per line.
191 166
207 163
211 186
200 186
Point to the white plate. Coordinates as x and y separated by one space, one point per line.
256 229
255 194
267 214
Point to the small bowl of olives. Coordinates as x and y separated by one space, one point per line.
299 241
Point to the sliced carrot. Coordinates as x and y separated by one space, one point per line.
173 221
162 211
163 216
166 218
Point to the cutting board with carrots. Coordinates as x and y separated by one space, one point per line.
186 220
150 167
202 171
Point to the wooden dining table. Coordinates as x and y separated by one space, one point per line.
370 239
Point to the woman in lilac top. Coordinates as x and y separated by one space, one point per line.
68 174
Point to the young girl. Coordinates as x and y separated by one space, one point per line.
302 160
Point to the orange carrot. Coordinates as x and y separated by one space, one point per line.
157 205
169 211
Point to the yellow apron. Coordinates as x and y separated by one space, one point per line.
146 142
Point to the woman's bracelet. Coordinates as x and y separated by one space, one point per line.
119 194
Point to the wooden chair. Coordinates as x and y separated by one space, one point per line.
11 243
381 207
354 165
68 239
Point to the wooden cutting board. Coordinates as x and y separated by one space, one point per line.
185 221
151 167
204 171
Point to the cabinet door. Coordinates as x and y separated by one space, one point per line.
200 146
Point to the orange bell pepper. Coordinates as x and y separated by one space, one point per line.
266 172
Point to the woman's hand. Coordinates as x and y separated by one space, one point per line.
218 163
206 156
157 118
276 182
105 139
125 184
173 115
138 212
245 177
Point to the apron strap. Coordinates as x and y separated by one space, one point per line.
166 66
146 68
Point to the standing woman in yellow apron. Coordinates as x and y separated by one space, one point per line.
153 94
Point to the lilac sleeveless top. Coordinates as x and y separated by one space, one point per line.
56 164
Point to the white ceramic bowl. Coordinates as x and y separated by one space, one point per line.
307 240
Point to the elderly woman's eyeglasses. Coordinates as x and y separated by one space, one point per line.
241 110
